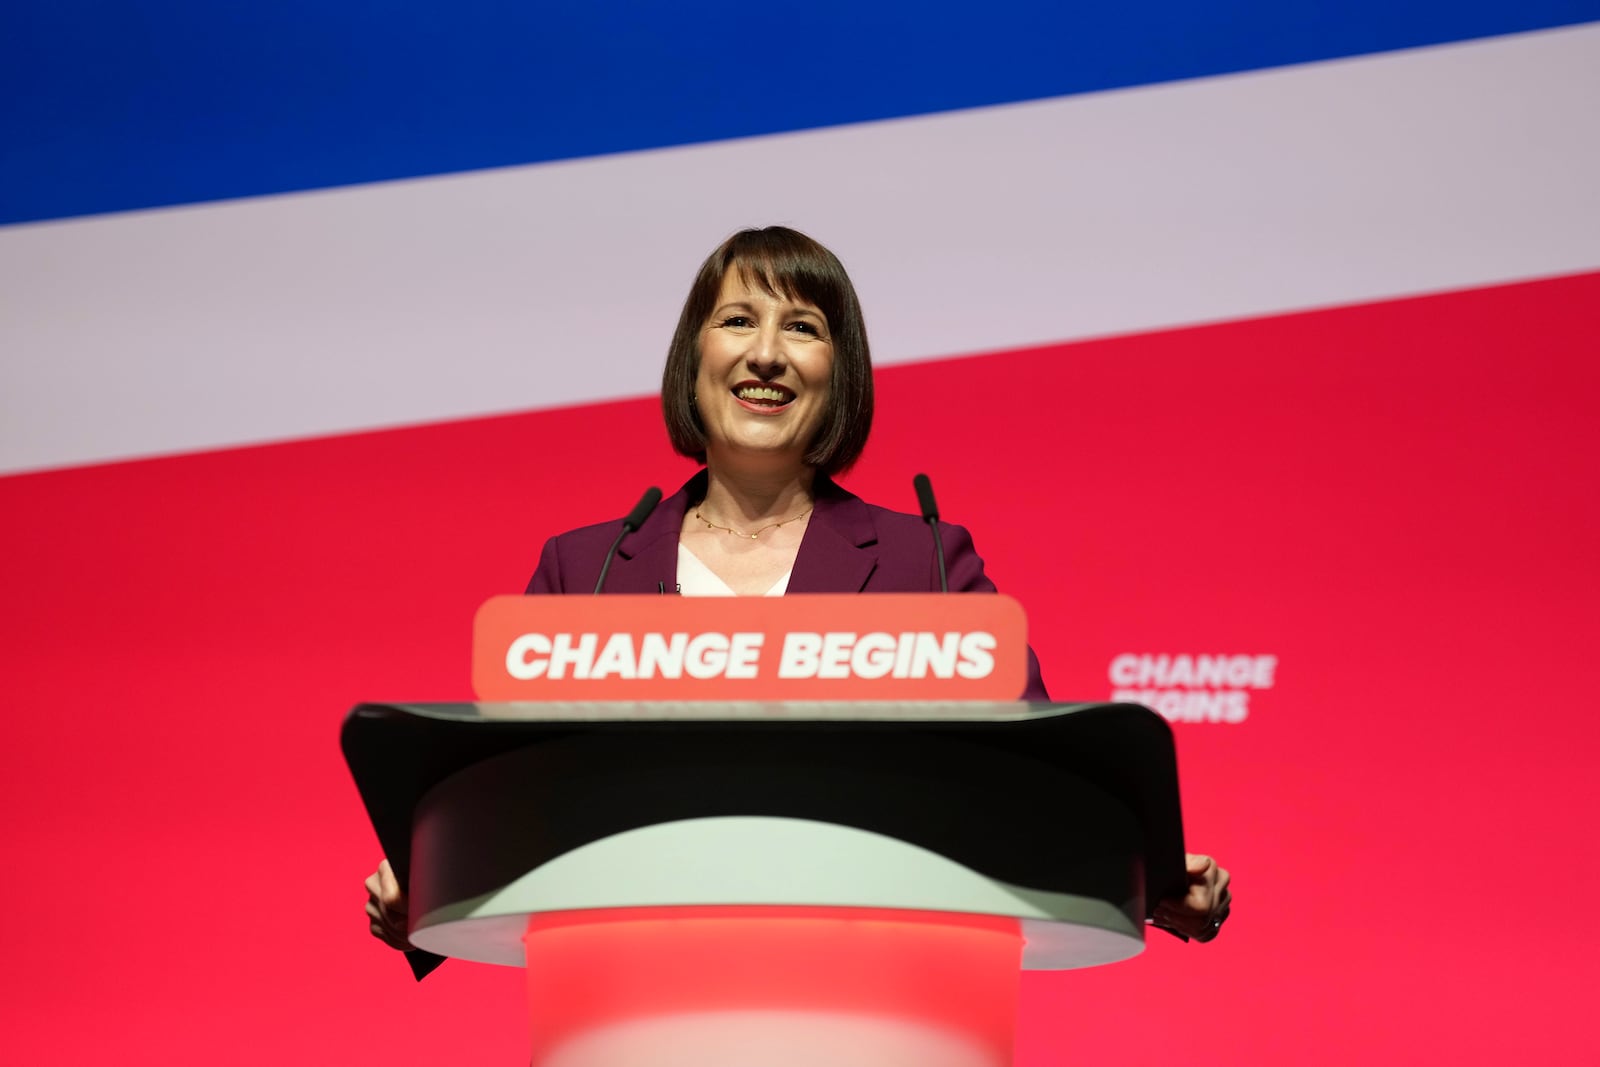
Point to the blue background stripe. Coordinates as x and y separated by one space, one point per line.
109 106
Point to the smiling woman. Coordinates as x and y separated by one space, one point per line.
768 382
772 282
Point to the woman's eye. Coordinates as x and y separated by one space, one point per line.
737 321
803 327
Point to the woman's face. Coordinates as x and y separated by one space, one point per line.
765 365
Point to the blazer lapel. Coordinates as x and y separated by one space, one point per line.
837 554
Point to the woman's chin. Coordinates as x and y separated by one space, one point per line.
756 448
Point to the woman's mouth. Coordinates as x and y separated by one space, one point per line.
763 397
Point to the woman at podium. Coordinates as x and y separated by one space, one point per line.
768 383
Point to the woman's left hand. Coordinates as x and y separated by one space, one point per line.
1200 913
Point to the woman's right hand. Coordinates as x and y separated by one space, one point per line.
386 907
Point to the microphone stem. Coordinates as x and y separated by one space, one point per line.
938 550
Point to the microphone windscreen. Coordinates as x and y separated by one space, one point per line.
641 511
924 488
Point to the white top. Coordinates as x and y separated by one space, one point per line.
696 579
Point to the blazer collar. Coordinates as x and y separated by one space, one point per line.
837 554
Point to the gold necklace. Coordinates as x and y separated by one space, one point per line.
758 533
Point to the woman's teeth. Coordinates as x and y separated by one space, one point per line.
761 394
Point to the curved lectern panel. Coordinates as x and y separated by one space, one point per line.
1065 817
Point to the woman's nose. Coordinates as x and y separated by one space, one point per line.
767 357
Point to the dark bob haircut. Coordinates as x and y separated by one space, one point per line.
789 265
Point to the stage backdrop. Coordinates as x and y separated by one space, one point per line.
1235 332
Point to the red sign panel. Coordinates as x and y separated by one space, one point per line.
924 646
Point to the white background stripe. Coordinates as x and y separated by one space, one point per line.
540 286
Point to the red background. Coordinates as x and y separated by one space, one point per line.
1397 500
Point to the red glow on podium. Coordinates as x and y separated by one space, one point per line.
714 985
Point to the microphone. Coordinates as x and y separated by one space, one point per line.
641 511
930 515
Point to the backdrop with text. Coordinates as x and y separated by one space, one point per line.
1256 352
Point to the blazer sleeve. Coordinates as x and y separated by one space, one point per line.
547 577
964 570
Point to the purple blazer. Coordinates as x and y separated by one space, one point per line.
850 546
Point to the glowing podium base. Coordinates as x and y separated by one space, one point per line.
773 986
770 883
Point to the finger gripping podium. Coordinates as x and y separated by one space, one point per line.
749 882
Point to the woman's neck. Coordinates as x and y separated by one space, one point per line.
746 497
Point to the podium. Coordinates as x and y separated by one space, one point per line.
770 883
